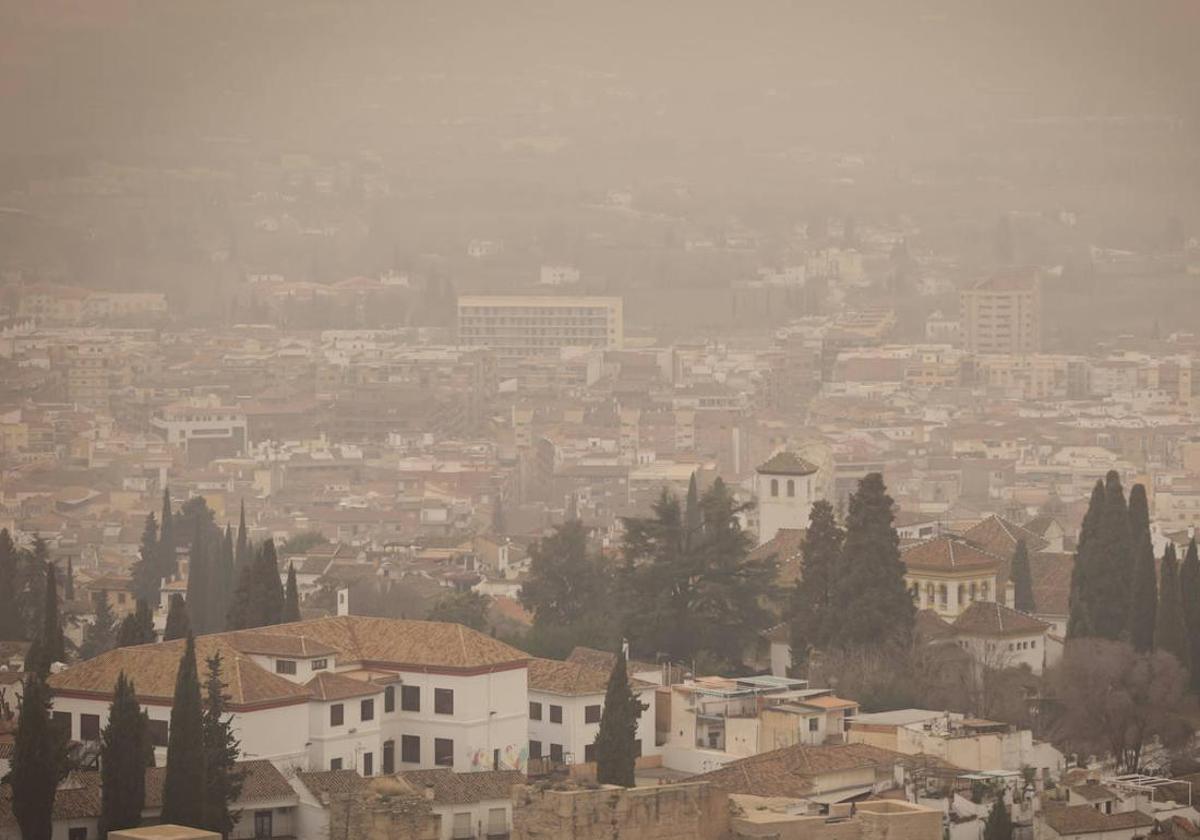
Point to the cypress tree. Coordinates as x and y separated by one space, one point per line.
69 582
1081 622
1170 630
10 614
223 582
1114 578
291 597
167 566
31 586
147 570
1189 591
39 761
187 774
199 572
693 517
1022 579
122 761
999 822
871 604
812 598
246 601
615 756
101 634
48 645
271 586
242 554
137 628
178 624
223 781
1143 604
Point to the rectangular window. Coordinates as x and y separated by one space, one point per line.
410 749
89 727
320 664
535 749
556 753
535 711
443 752
337 714
158 732
461 827
62 722
77 834
335 764
285 666
368 764
389 757
555 714
389 699
591 714
410 698
366 710
813 724
443 701
589 753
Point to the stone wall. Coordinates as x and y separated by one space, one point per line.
686 811
385 811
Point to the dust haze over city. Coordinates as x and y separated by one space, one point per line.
648 420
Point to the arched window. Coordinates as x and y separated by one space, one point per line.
973 590
774 486
942 594
984 590
929 594
962 593
791 488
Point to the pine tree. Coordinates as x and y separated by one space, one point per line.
167 565
199 573
39 761
48 645
870 601
137 628
179 625
1081 622
615 748
1022 579
11 628
1143 603
1189 592
999 822
148 568
242 554
291 596
271 586
187 773
122 762
101 634
1170 629
223 781
812 599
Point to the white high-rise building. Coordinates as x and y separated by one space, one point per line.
539 326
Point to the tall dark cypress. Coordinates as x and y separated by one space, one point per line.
137 628
1189 593
69 582
1170 631
693 518
48 645
11 628
809 615
1114 581
244 607
871 604
39 761
1082 622
1143 596
122 763
199 573
242 555
187 775
615 748
272 587
1022 579
223 781
223 582
101 634
179 626
147 571
291 596
167 566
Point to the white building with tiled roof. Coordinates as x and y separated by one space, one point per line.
346 692
947 574
785 485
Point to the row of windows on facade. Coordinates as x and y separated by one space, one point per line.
410 701
591 714
410 753
940 593
557 755
791 487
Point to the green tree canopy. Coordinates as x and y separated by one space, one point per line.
809 613
187 774
1170 630
462 607
1143 605
39 761
179 625
616 753
122 765
223 780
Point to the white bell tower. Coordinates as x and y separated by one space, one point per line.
786 488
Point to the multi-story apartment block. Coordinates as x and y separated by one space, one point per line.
522 326
1003 314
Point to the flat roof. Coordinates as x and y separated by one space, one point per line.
537 300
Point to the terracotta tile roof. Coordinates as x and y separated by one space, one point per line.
786 463
1051 574
996 535
787 548
262 782
450 788
1093 791
1085 819
329 686
78 797
829 702
603 660
332 783
1040 524
793 771
275 644
948 554
931 626
572 678
987 618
